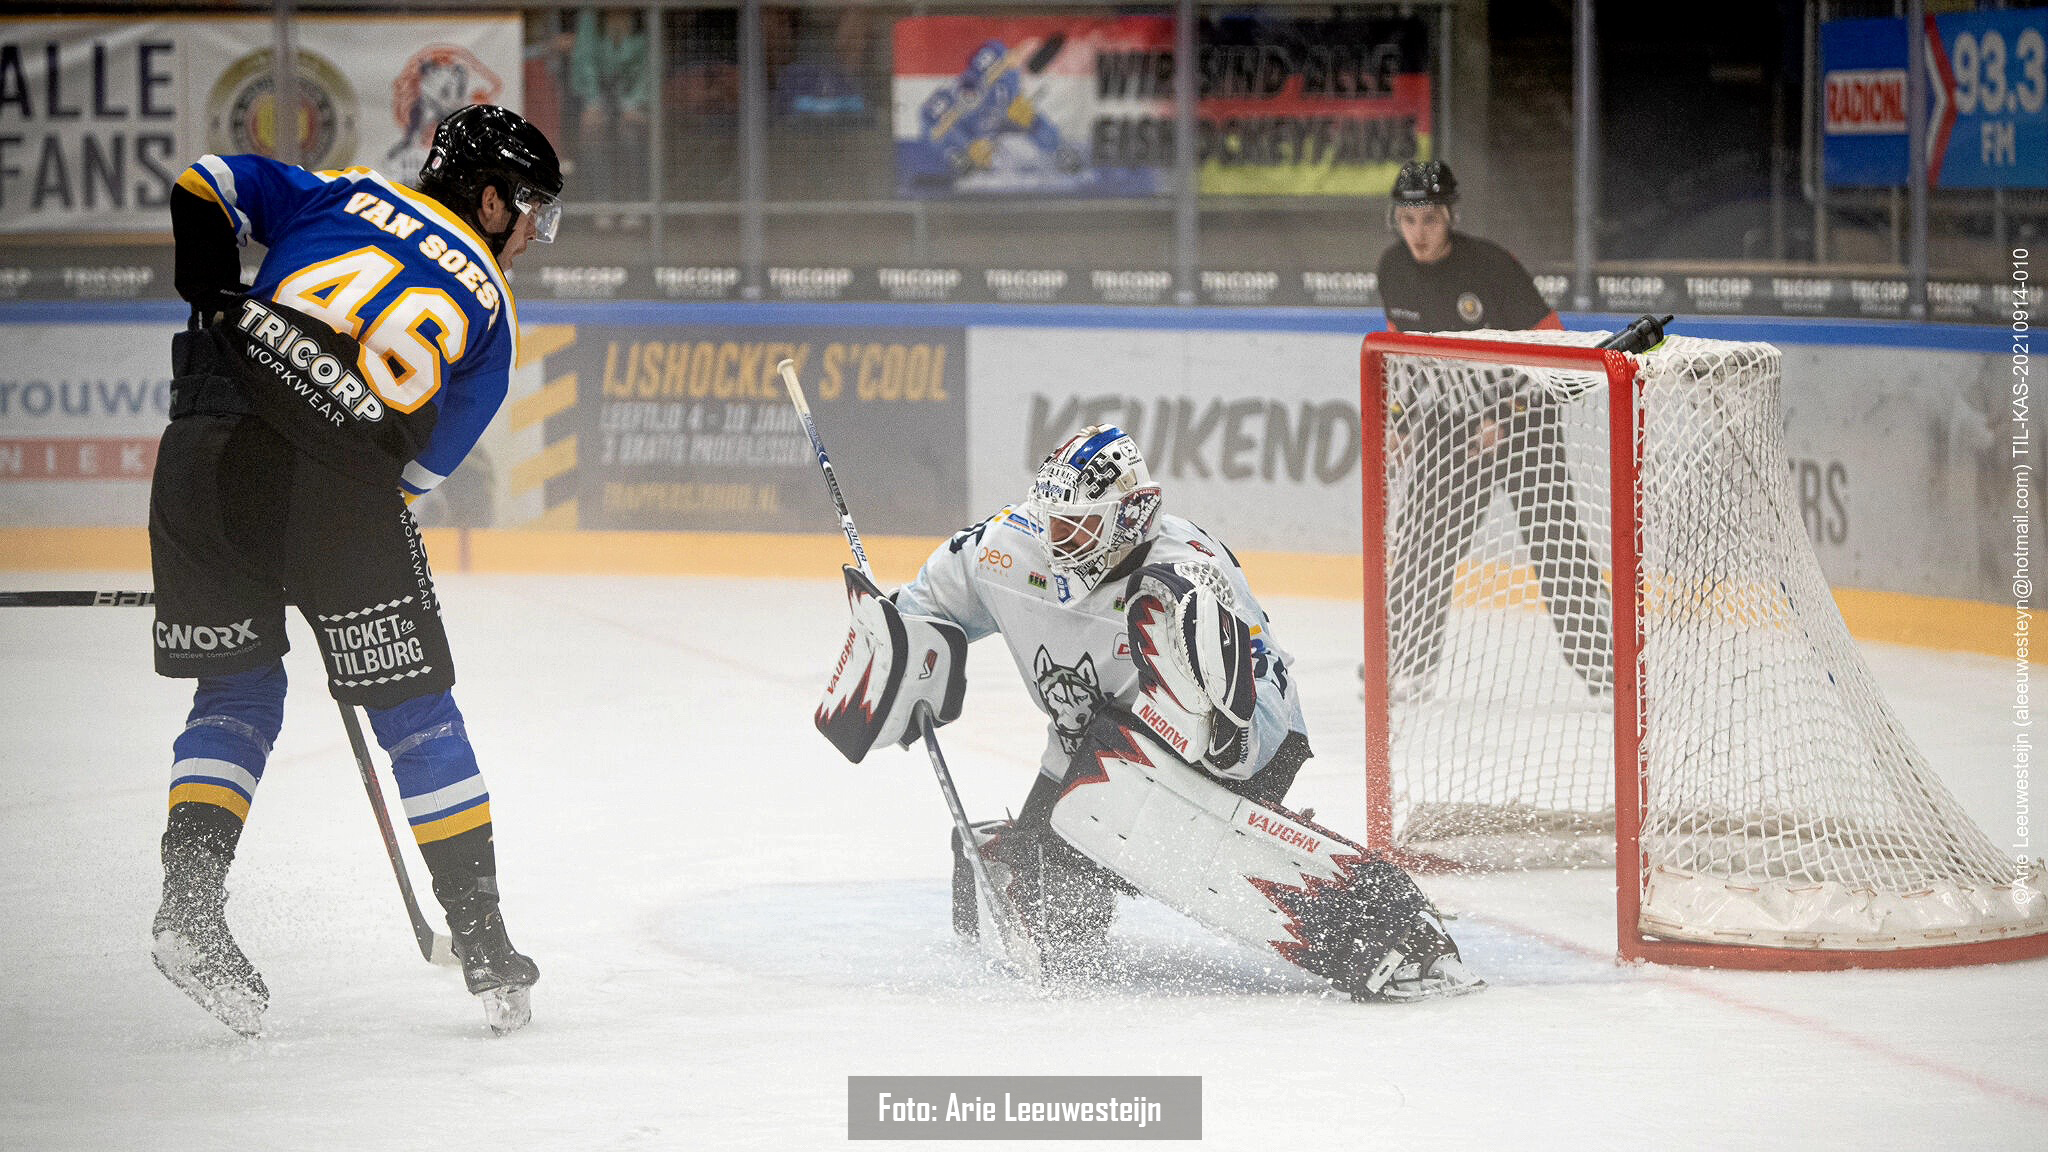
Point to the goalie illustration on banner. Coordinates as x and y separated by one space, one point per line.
1174 732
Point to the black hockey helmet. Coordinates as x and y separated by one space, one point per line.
482 145
1422 182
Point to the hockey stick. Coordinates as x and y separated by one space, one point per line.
1018 946
77 599
434 947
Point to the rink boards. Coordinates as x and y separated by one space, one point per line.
651 437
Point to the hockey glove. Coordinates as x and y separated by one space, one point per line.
1194 658
891 662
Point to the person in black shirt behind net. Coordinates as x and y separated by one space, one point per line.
1437 279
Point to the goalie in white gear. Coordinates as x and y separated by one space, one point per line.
1174 731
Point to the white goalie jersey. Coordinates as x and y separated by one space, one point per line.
1072 645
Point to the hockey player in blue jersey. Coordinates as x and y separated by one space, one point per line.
966 119
307 411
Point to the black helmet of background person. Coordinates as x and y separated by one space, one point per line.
1422 182
484 146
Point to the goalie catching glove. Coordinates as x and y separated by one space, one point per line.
1194 658
889 665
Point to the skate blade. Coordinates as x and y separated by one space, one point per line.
1450 978
507 1009
237 1007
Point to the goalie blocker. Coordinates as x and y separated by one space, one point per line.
890 663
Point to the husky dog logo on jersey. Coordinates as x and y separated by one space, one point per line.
1072 695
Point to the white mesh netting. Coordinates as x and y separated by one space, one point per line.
1783 804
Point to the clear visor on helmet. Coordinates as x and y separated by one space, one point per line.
545 210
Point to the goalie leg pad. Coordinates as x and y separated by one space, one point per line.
1255 873
890 663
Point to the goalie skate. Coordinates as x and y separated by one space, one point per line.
1424 965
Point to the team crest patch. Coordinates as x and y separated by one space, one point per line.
1071 694
1037 580
1470 310
241 110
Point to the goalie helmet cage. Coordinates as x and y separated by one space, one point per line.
1762 805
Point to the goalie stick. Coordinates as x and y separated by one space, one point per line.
435 947
1018 947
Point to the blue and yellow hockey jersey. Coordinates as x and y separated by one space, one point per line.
392 268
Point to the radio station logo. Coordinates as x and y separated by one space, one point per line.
1866 102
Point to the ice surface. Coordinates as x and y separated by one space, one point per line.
730 920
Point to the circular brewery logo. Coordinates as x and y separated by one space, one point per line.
241 112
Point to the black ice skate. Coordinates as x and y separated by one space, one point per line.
191 944
1424 965
496 972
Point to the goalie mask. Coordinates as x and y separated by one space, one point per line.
1096 501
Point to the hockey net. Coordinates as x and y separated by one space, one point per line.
1772 812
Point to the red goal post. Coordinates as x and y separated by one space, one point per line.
1812 907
